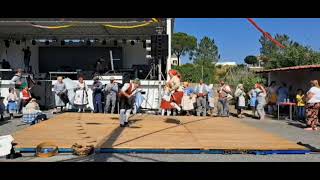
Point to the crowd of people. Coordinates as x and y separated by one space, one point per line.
20 101
178 98
104 97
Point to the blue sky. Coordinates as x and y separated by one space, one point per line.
236 37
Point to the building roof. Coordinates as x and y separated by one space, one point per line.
18 28
292 68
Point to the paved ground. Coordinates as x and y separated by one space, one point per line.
288 129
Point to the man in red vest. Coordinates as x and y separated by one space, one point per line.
127 96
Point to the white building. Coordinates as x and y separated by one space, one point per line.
126 45
230 63
175 61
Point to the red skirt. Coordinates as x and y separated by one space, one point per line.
177 97
165 105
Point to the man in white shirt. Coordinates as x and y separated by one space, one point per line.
201 91
127 96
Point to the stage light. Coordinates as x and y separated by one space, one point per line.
124 41
17 42
63 42
144 44
132 42
88 42
47 42
115 43
33 42
104 42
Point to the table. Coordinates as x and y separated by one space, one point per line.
290 104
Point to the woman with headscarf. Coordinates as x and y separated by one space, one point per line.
261 100
253 100
211 99
61 97
187 102
313 105
165 101
241 101
176 89
81 96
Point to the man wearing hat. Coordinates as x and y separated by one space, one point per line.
111 95
127 96
97 95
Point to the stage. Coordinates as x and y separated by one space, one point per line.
154 134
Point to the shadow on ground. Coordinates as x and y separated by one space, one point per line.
172 121
297 124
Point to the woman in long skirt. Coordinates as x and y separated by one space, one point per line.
165 101
176 89
187 103
81 96
12 102
241 101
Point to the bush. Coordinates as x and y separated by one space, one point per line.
241 75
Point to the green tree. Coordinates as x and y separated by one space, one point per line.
294 54
251 60
207 51
241 75
182 44
193 72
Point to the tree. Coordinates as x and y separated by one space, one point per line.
183 43
294 54
193 72
241 75
251 59
207 50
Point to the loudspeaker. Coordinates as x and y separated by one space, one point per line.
44 94
159 46
7 43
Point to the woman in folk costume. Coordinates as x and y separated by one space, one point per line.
60 94
12 99
261 100
165 101
187 102
81 97
176 89
241 101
